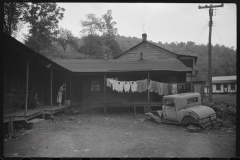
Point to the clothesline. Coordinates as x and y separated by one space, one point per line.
143 85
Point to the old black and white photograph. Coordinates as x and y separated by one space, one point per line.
119 80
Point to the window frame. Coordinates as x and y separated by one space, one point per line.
95 86
169 106
218 87
190 102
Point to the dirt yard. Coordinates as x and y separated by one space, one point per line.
116 135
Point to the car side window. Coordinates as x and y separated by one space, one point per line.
192 100
169 102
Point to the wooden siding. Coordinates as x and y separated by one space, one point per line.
149 52
16 67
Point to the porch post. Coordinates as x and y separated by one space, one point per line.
191 83
148 106
104 90
51 88
65 90
26 100
148 90
70 86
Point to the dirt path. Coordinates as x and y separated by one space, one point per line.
117 135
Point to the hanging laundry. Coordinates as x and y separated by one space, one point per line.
142 85
165 88
160 88
150 85
174 88
115 85
108 82
126 86
134 86
120 86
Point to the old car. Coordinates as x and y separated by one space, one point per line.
186 109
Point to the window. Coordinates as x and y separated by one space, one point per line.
225 85
218 87
169 102
192 100
95 86
232 86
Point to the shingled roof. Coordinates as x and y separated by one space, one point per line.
123 65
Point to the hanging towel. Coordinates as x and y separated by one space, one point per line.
142 85
174 88
150 86
126 86
160 88
165 88
120 86
115 85
108 82
134 86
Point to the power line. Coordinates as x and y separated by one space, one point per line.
228 26
202 32
194 31
218 35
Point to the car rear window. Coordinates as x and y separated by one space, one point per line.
169 102
192 100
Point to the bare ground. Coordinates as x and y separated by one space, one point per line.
117 135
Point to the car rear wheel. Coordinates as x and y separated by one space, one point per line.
188 120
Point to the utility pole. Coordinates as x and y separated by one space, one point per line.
209 47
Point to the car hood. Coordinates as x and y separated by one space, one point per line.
201 111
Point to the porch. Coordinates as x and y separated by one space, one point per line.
19 115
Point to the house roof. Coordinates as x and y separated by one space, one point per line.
123 65
224 79
12 43
178 55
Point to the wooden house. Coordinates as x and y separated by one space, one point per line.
223 84
26 72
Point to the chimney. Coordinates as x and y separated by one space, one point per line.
144 37
141 56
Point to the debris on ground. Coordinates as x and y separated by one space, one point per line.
154 115
35 120
225 112
193 128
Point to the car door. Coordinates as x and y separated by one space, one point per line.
170 109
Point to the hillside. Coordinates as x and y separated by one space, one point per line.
223 58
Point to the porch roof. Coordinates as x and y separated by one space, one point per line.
123 65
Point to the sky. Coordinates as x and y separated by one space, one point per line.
165 22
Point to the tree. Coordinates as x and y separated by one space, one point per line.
91 25
112 45
65 37
93 46
13 14
108 26
33 42
99 33
43 19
